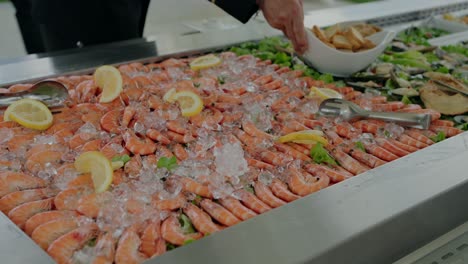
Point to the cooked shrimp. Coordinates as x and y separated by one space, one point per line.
171 231
418 135
157 136
48 232
63 248
304 184
105 249
405 139
44 217
403 146
380 152
201 220
152 244
128 114
20 214
291 152
265 194
136 145
16 181
128 248
192 186
391 147
38 161
90 205
280 190
11 200
219 213
68 199
448 131
252 202
110 121
259 164
183 139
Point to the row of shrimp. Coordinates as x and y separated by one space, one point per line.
248 103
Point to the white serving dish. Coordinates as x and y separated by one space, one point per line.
342 64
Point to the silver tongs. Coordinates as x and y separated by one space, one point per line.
349 111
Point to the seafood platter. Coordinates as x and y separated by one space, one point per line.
224 155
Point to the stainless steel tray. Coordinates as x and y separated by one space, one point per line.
376 217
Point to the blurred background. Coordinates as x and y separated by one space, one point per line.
164 17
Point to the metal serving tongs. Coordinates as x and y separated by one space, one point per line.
350 112
51 93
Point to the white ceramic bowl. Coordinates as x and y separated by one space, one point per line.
342 64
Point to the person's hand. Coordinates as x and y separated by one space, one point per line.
287 16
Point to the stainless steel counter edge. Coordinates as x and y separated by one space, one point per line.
376 217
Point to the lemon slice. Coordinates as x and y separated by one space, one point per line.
99 166
169 95
190 103
204 62
108 78
324 93
29 113
304 137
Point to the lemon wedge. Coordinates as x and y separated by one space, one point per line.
190 103
169 95
304 137
29 113
108 79
204 62
324 93
99 166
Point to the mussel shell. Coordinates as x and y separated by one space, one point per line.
461 119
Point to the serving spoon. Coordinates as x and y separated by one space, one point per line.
51 93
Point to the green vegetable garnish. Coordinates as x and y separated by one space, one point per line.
250 189
406 100
197 200
170 246
443 69
463 126
386 133
327 78
188 241
460 49
221 79
196 85
92 242
320 155
186 224
360 146
168 163
439 137
123 158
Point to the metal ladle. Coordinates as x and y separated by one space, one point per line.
51 93
350 112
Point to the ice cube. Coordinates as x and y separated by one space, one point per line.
266 177
87 128
5 135
139 128
45 139
229 160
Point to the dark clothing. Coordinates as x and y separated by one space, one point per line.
66 24
29 28
70 24
242 10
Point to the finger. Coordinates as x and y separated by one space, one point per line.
289 32
300 35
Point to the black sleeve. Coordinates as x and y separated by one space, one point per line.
242 10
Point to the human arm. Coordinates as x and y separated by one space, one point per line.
285 15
